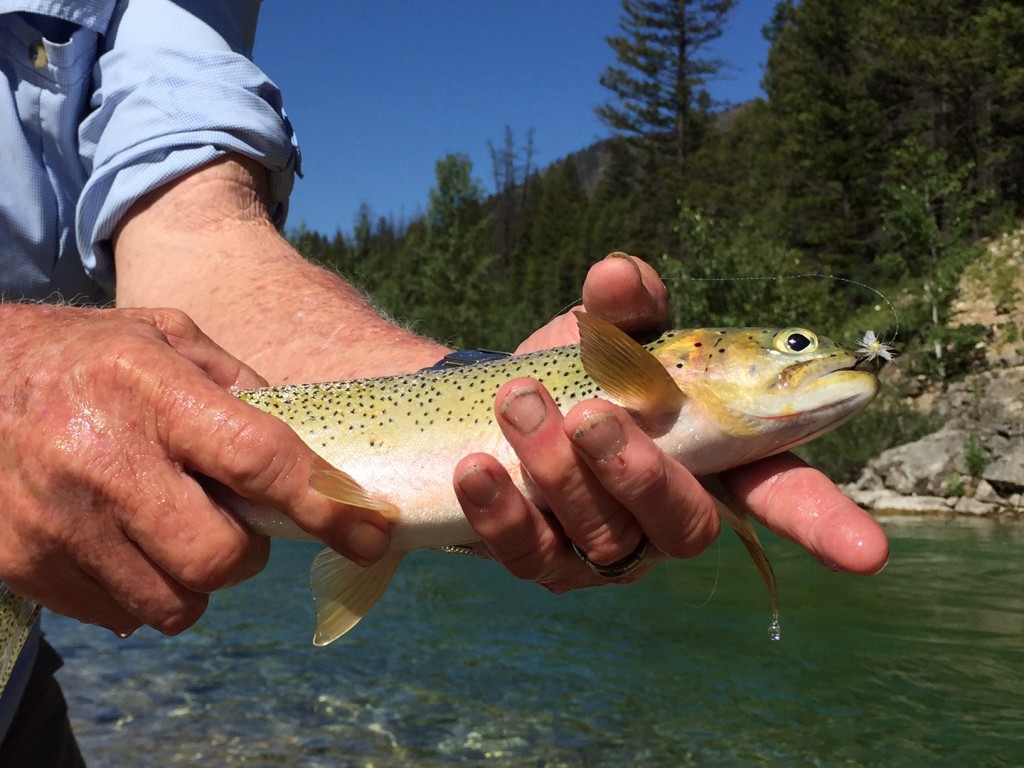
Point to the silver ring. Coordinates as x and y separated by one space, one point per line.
619 568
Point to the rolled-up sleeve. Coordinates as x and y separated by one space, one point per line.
175 89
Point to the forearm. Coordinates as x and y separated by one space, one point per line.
204 245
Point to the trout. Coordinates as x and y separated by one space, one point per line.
712 398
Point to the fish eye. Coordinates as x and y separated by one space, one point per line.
796 340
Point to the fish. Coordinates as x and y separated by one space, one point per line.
712 398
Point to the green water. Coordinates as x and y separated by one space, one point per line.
460 664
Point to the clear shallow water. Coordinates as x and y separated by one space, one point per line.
460 664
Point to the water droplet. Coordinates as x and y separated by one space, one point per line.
775 629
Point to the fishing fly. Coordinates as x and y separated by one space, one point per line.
870 347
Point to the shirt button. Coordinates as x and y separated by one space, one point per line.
37 55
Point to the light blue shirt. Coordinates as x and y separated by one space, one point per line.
102 101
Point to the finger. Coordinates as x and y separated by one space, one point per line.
626 291
589 515
802 505
517 534
253 453
669 503
70 592
257 555
202 546
530 544
108 581
157 559
171 597
145 591
136 490
155 583
189 341
72 550
259 457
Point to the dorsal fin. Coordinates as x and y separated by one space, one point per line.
626 371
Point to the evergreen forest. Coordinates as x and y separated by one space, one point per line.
852 197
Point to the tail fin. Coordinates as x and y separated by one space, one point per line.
17 615
344 592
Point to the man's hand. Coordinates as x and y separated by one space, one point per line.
106 416
607 485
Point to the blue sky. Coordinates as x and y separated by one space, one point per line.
380 90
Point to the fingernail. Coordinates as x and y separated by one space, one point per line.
600 436
479 486
367 542
629 259
523 409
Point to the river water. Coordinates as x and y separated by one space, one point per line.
461 665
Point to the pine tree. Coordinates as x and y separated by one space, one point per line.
557 256
451 281
954 72
511 167
853 84
658 82
658 99
829 128
612 223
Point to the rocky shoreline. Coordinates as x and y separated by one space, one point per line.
974 464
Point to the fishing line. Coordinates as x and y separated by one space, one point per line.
871 346
567 307
565 310
808 276
714 587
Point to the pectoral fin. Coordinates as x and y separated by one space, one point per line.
344 592
335 484
626 371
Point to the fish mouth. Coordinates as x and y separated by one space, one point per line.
832 384
808 371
